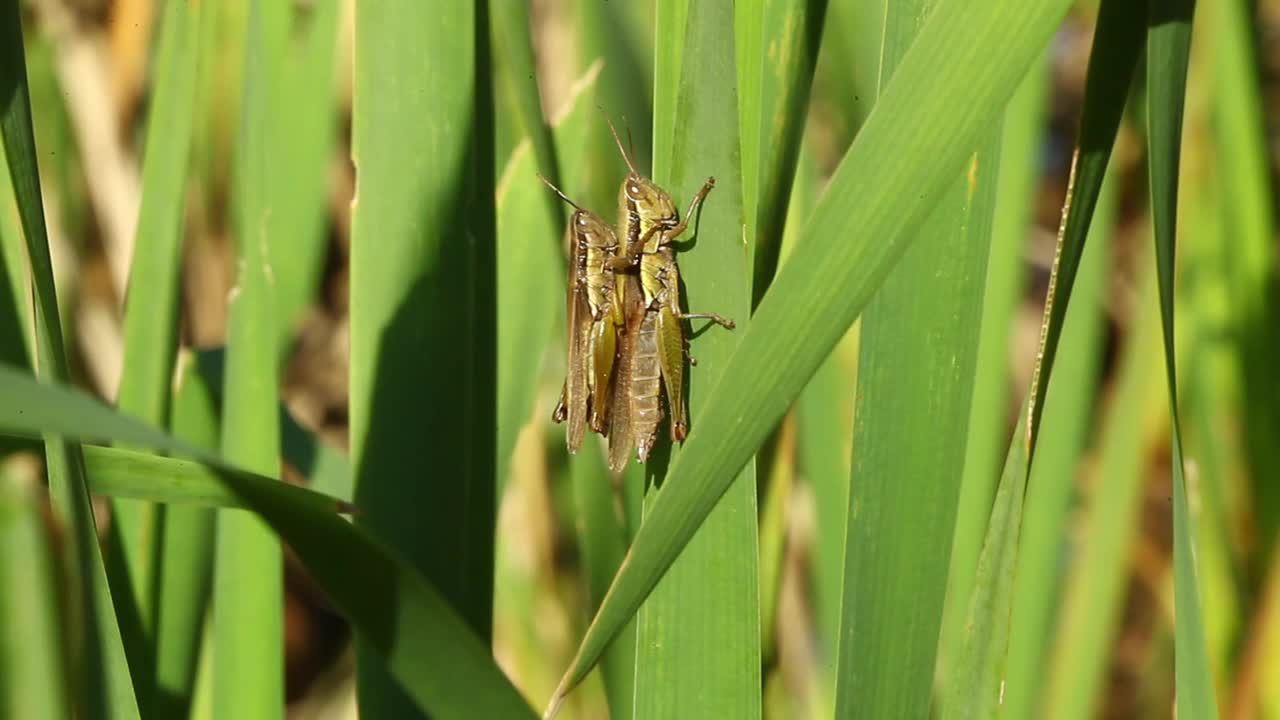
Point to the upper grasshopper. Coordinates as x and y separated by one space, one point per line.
649 222
593 318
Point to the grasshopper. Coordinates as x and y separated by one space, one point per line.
593 318
649 223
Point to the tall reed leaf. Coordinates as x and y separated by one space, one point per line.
988 415
911 418
1068 418
398 614
1095 588
974 689
249 626
952 83
151 318
698 636
302 54
423 318
1169 48
102 685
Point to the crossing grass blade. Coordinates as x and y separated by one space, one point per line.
1067 422
966 62
988 416
442 665
103 686
1168 53
698 635
423 304
115 472
249 626
33 651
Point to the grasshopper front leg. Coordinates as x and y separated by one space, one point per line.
679 228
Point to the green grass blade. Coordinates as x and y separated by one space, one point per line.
1095 590
1168 53
670 21
1067 422
151 307
103 685
974 688
824 414
988 416
965 64
249 626
792 31
444 666
604 33
186 536
115 472
698 646
423 319
911 420
514 43
15 293
33 662
302 48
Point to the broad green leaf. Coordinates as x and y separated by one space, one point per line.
443 665
966 62
698 636
423 305
103 686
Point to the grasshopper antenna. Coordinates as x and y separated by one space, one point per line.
618 141
557 191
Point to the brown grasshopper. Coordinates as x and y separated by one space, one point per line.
648 223
593 319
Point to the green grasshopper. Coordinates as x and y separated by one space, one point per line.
593 318
649 223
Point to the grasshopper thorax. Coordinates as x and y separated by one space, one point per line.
594 246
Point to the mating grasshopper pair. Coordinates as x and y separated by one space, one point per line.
626 332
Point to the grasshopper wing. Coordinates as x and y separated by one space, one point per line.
629 313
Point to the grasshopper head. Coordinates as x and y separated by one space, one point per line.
649 202
592 229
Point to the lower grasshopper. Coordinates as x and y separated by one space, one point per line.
649 224
592 324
